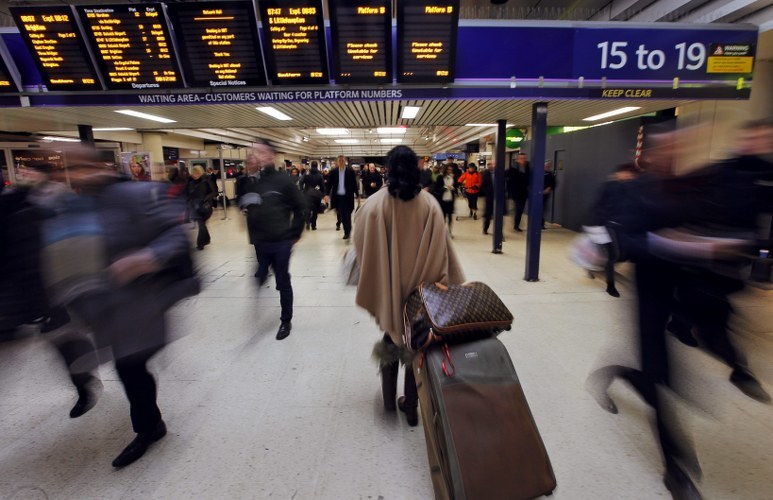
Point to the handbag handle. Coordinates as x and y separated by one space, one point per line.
447 357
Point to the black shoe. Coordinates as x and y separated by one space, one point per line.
346 236
140 445
284 330
613 291
517 229
58 317
474 216
313 228
680 485
411 414
338 226
747 384
87 398
200 247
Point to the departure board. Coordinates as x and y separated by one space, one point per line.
362 40
218 43
132 46
426 40
57 46
294 34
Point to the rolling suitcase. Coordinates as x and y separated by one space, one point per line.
482 442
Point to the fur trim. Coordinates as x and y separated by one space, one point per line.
385 354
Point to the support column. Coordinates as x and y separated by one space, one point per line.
539 119
499 186
153 143
86 135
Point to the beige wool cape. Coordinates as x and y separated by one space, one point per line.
400 244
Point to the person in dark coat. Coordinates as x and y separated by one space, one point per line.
372 180
518 187
342 192
313 187
126 266
548 187
445 192
276 212
487 191
200 192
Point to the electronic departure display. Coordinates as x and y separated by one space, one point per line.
57 46
218 43
294 32
362 40
132 46
426 40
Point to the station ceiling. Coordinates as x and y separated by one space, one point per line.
440 126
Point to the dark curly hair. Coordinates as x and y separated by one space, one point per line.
403 175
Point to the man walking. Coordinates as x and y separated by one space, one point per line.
275 211
518 185
342 190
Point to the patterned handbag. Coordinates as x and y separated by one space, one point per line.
435 312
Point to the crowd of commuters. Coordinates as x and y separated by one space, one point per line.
94 286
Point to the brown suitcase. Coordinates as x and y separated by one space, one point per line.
482 442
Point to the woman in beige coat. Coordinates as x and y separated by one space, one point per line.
400 240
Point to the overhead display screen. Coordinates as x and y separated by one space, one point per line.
294 34
132 46
218 43
362 40
426 40
57 46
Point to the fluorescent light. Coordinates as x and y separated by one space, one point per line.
391 130
391 141
274 113
611 113
146 116
410 112
480 124
346 141
333 131
111 129
60 139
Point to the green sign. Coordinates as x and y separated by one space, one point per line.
513 138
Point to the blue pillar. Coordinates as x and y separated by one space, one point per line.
539 120
499 186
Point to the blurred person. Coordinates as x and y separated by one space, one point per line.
116 256
518 187
22 292
470 182
717 202
372 181
295 176
487 191
549 185
313 187
400 241
275 211
342 193
200 193
601 221
445 192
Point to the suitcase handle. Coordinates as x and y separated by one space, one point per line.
447 357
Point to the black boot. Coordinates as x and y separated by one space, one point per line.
389 385
87 386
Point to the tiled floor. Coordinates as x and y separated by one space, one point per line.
250 417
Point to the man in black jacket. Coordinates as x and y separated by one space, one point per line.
275 211
487 190
342 190
518 187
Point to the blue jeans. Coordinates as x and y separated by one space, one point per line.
277 255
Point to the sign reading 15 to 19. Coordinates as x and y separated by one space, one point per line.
615 56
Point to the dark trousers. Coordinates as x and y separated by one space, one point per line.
203 236
448 211
276 254
472 201
345 216
79 354
520 206
410 391
488 213
140 387
311 217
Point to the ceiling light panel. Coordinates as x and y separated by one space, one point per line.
410 112
347 141
391 130
614 112
274 113
145 116
333 131
391 141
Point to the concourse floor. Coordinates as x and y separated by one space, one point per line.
254 418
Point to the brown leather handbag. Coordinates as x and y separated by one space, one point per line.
435 312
